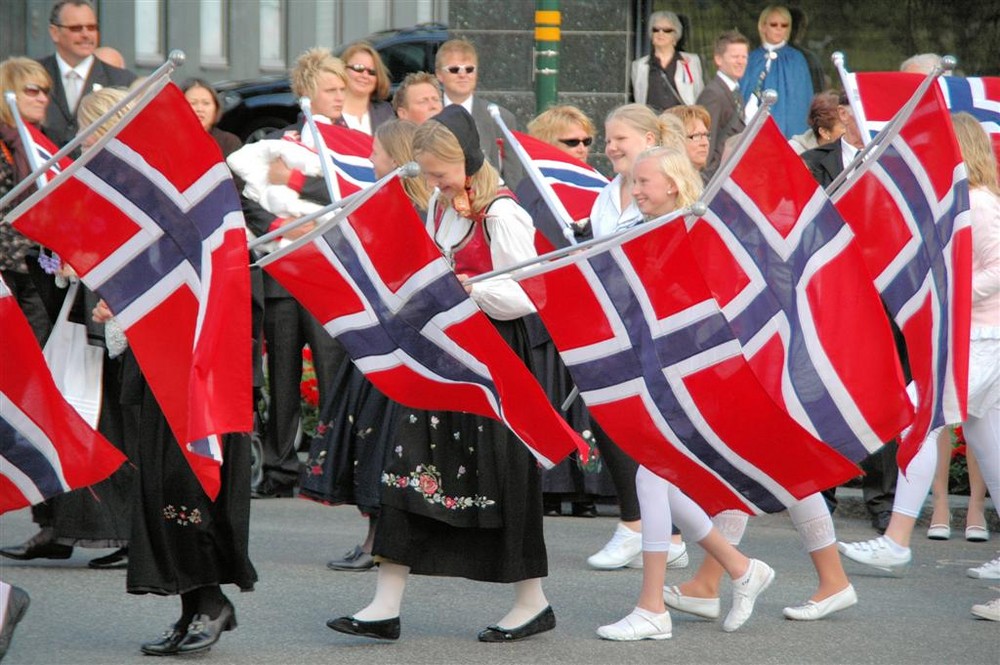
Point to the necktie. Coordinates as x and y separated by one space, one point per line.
73 85
738 100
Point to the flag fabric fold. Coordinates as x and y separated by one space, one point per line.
908 206
349 153
381 287
158 233
46 448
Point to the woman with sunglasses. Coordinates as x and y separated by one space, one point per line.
668 77
778 65
365 107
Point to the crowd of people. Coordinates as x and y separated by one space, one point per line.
394 462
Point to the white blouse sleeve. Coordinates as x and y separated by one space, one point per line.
512 240
985 215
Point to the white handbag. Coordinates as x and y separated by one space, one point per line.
76 366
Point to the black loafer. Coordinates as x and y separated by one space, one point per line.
204 631
117 559
355 560
166 645
39 546
543 621
384 629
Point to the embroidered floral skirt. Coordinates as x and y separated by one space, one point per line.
181 540
461 495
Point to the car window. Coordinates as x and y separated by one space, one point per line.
402 59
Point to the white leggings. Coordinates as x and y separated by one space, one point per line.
661 503
983 436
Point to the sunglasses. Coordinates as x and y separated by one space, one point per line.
32 90
454 69
77 29
361 68
778 25
666 30
698 136
572 143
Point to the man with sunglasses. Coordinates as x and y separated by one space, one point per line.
457 65
74 70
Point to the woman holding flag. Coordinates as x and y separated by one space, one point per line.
461 495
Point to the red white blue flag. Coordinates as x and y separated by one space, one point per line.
41 150
46 448
660 369
787 272
349 152
908 205
575 183
381 287
152 222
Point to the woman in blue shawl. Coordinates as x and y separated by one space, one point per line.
778 65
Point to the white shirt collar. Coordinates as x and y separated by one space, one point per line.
82 69
847 152
774 47
467 104
732 84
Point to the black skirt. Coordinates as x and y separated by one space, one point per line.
461 495
181 540
347 455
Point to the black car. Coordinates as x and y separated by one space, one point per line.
253 108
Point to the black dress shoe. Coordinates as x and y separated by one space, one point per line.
384 629
268 491
17 604
584 509
354 560
204 631
117 559
168 643
543 621
39 546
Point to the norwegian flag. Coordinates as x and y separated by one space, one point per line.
575 183
46 448
349 152
908 206
40 151
158 233
791 281
394 303
882 95
660 369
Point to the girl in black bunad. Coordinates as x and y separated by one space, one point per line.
461 496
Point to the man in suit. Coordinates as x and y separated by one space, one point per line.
457 67
879 484
722 95
74 70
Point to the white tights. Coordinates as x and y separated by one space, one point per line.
661 503
983 436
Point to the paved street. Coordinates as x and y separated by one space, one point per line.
81 616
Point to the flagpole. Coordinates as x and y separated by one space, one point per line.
853 96
553 203
174 60
304 219
29 143
324 155
881 141
408 170
84 159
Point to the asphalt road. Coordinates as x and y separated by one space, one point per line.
81 616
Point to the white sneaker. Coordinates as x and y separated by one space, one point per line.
677 557
622 550
708 608
745 591
877 553
811 610
989 611
639 625
988 571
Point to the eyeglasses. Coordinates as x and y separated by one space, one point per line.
778 25
361 68
572 143
77 29
454 69
698 136
32 90
666 30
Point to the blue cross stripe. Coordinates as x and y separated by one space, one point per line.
783 277
644 360
571 177
183 234
30 461
929 259
401 329
960 99
356 172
